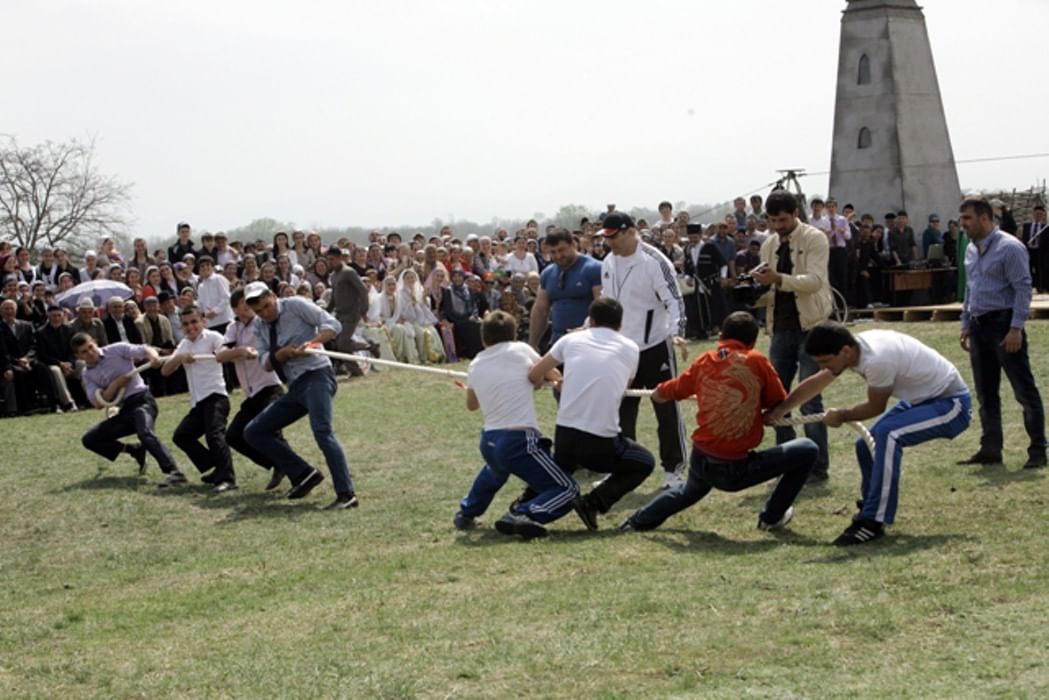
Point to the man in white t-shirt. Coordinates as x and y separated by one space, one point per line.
599 364
209 402
644 281
934 402
498 383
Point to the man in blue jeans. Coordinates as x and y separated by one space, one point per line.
794 265
734 385
997 303
284 328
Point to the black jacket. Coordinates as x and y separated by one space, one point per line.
52 344
19 343
113 335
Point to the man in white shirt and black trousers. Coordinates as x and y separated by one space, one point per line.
644 282
209 402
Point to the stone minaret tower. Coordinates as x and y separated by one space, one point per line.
891 146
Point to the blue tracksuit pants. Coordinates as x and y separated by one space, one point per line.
904 425
524 454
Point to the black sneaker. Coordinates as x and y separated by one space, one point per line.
586 512
303 488
275 478
517 524
860 532
817 478
462 522
626 526
342 502
211 478
781 523
982 457
1035 462
138 452
175 478
226 485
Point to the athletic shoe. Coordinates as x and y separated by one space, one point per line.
303 488
672 480
275 478
586 512
343 501
626 526
1035 462
982 457
226 485
462 522
175 478
782 522
600 481
860 532
138 452
519 524
212 478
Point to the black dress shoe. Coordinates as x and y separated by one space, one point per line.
212 478
138 452
983 458
302 489
817 478
1035 462
275 478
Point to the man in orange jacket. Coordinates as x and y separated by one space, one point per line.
734 385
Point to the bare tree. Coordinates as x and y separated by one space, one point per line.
52 194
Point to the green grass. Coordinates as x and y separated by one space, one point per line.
110 587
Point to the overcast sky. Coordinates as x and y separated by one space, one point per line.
385 113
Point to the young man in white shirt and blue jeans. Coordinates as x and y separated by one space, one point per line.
934 402
498 384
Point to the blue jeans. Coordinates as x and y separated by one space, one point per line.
526 455
904 425
791 462
310 394
787 355
988 359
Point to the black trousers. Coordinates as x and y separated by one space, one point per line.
628 463
28 381
207 418
249 408
989 359
657 364
838 267
137 416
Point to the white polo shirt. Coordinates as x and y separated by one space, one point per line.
499 377
599 364
911 370
203 376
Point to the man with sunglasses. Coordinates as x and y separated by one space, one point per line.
566 290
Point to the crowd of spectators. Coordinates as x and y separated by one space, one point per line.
426 294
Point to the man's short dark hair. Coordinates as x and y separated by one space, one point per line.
1039 207
979 206
828 338
901 212
190 310
740 326
558 237
606 312
668 205
498 327
206 259
815 201
781 202
79 340
236 297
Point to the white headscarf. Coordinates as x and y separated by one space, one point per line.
411 300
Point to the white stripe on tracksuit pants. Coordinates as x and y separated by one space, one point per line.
673 438
902 426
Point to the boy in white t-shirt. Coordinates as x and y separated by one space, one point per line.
498 384
599 364
209 402
934 402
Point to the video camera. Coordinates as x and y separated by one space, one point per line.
748 290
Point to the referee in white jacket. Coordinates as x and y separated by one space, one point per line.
644 282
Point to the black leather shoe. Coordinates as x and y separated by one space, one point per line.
983 458
817 478
138 452
1035 462
302 489
275 478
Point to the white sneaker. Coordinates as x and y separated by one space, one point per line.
672 480
787 517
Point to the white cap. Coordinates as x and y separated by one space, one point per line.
90 254
255 290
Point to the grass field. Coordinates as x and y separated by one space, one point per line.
114 588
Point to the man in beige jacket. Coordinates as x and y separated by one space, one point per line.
794 264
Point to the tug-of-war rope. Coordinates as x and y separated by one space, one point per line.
112 407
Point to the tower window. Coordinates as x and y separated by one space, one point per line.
864 140
865 70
